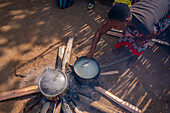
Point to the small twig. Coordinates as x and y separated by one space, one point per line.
40 55
117 61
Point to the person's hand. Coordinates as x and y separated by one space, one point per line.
89 54
139 42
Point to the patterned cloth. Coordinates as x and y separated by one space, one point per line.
130 35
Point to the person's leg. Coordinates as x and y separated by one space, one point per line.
91 4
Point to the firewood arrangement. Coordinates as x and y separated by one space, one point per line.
67 102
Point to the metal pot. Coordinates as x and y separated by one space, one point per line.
86 70
52 83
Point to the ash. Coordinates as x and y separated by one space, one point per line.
73 85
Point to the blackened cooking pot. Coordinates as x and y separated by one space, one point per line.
86 70
52 83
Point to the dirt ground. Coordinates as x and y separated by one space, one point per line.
32 30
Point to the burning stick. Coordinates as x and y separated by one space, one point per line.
65 106
58 108
45 107
55 106
117 100
75 106
33 102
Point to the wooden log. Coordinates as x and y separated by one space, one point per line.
151 43
18 92
55 107
110 72
45 107
31 103
67 52
117 31
117 100
60 55
96 104
75 107
161 42
58 109
115 34
65 106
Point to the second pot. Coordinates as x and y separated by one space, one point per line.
86 70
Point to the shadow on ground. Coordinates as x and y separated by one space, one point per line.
32 31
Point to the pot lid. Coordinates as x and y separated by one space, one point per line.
86 68
52 82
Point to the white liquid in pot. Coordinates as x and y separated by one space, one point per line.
86 68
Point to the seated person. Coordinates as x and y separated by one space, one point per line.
140 23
